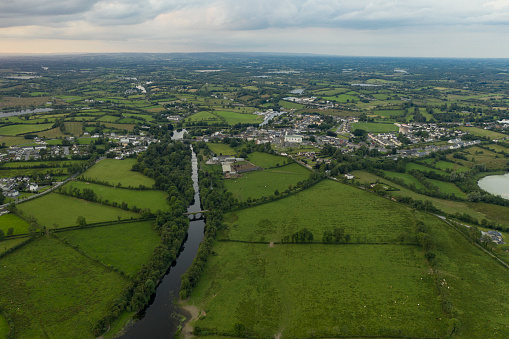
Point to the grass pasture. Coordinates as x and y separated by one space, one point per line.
263 183
419 167
221 149
45 209
364 291
144 199
373 127
5 245
74 127
477 285
448 188
51 291
124 246
9 220
408 179
366 217
266 160
203 117
446 165
118 171
13 130
480 132
13 141
233 118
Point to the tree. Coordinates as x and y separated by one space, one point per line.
2 235
10 231
81 222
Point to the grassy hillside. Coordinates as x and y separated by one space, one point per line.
63 211
124 246
263 183
51 291
117 172
320 208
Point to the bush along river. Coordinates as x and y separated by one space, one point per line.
160 319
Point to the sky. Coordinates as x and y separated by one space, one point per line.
405 28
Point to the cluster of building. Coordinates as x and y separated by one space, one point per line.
11 187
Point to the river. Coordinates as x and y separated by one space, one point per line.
496 184
159 319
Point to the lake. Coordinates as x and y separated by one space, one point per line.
496 184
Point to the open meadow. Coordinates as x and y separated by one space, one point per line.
257 184
326 205
116 172
56 209
10 220
221 149
476 284
124 246
233 118
143 199
295 291
51 291
266 160
13 130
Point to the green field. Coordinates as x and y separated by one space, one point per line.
5 245
478 286
408 179
483 132
448 206
319 290
74 128
388 113
124 246
144 199
11 220
266 160
414 166
221 149
118 171
51 291
374 127
23 129
290 105
4 327
446 165
63 211
448 188
203 117
263 183
365 217
233 118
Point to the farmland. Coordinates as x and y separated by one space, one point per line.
43 209
143 199
375 127
263 183
19 225
233 118
221 149
266 160
38 297
320 208
124 246
117 173
364 290
13 130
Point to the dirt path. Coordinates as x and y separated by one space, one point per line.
194 313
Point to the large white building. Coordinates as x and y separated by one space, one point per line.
293 138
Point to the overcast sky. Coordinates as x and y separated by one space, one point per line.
430 28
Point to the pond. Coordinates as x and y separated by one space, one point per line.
496 184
